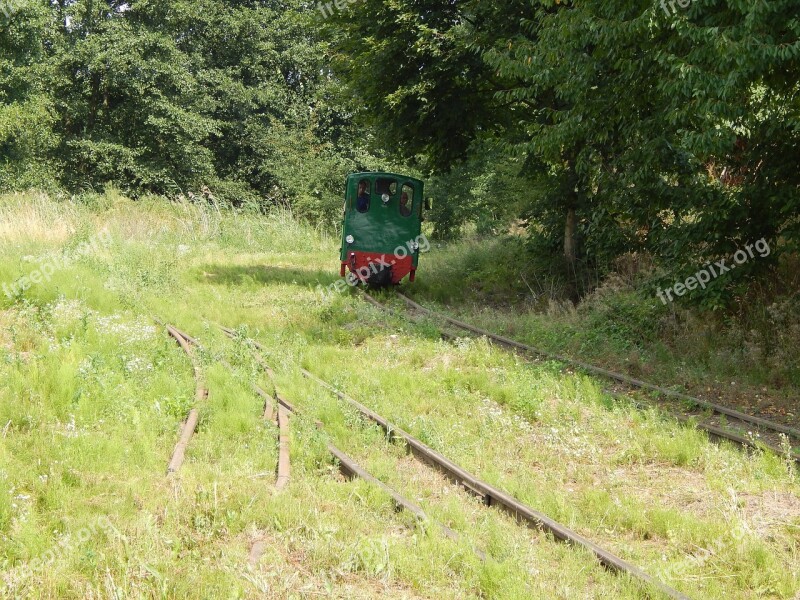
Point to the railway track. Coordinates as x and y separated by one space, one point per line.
201 393
279 416
490 495
277 409
720 422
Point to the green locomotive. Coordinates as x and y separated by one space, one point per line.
382 229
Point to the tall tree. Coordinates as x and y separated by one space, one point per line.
231 99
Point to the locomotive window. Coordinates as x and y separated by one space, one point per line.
407 201
386 186
362 196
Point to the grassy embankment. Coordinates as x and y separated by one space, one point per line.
92 393
749 357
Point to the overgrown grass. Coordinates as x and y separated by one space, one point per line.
750 356
92 394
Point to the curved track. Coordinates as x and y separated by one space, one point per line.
770 429
281 418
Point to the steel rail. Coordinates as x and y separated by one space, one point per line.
351 469
190 424
495 497
491 495
712 430
747 418
269 409
281 419
283 449
268 370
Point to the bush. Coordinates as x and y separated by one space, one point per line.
622 317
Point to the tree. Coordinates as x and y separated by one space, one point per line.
229 98
26 112
641 128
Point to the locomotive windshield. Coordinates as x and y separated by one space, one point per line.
386 186
406 201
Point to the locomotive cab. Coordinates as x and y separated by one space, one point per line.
382 227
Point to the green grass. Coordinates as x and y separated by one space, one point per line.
92 394
749 357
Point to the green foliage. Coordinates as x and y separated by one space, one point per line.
92 394
27 117
487 271
668 130
604 128
415 76
5 506
225 101
484 190
623 320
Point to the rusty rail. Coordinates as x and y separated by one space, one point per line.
351 469
509 343
269 409
712 430
201 393
491 495
281 418
283 445
348 467
495 497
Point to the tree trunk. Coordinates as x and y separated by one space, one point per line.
569 236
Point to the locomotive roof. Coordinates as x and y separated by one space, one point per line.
374 174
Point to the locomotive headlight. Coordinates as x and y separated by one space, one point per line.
349 239
385 198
